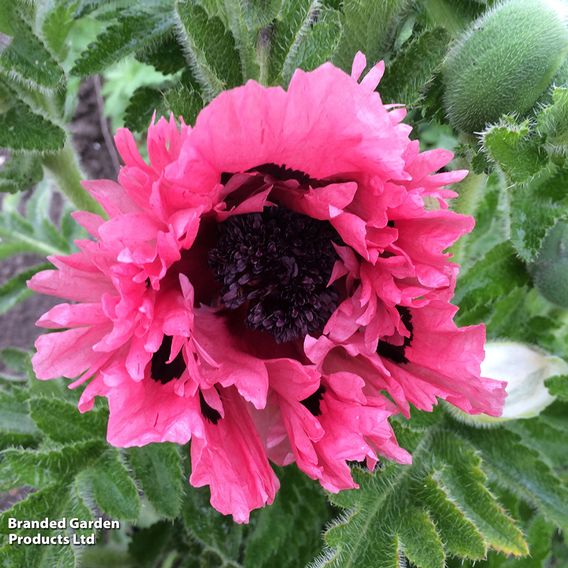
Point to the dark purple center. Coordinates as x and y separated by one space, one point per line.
277 264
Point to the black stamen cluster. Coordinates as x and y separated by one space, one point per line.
277 263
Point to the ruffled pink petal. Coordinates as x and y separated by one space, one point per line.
231 459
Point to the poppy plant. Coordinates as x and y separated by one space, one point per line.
264 282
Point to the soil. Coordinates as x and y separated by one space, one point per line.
17 327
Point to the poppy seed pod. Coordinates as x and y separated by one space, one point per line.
550 270
504 62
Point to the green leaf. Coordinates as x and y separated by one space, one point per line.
55 502
133 31
15 290
289 30
521 470
62 422
20 172
26 59
315 45
112 487
34 233
552 122
148 544
38 468
244 38
158 468
165 55
288 533
212 530
509 145
439 505
23 129
487 281
370 27
215 64
141 107
413 68
55 28
183 100
558 386
16 426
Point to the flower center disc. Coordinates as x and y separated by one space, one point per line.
277 264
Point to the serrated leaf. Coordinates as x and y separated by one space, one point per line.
552 122
509 145
38 468
370 27
558 386
462 539
158 468
520 469
316 45
165 55
133 31
183 100
55 502
112 487
23 129
411 70
536 207
244 38
292 24
216 65
55 28
487 281
26 58
288 533
421 511
20 172
62 422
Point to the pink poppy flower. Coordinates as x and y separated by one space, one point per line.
262 282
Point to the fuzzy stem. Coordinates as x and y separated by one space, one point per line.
470 192
443 13
263 54
64 166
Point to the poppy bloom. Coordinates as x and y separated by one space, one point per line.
262 282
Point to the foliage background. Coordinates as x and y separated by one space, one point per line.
489 497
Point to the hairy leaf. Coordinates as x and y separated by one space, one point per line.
287 534
409 73
370 27
20 172
158 467
62 422
25 58
215 64
133 31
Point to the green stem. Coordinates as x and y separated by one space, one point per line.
470 192
263 55
444 14
65 168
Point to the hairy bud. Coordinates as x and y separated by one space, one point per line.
504 62
550 270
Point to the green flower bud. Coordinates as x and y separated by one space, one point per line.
550 270
504 62
525 368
